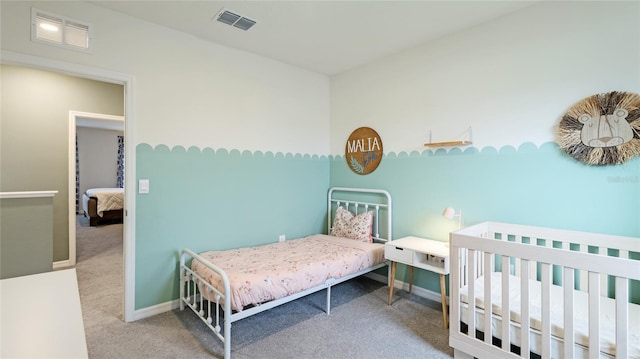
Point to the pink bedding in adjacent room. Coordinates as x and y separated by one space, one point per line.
263 273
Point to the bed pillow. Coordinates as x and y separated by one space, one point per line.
348 225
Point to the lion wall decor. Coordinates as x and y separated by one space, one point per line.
602 129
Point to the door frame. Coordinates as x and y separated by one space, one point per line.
100 121
129 221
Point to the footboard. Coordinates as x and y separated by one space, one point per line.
544 291
212 307
190 286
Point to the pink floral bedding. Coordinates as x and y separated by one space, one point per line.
272 271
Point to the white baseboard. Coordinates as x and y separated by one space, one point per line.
419 291
156 309
61 264
175 304
377 277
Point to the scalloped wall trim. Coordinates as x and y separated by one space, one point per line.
527 147
208 151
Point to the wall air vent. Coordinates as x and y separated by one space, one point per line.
60 31
234 19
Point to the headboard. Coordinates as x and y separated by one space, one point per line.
359 200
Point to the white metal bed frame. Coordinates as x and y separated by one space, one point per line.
584 259
216 314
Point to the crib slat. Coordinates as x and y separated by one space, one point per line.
464 279
471 268
517 265
546 309
622 317
479 264
583 278
488 268
455 303
569 336
525 346
506 307
533 270
604 279
594 315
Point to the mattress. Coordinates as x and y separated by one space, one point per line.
108 199
581 314
263 273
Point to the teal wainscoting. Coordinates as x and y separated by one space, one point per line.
213 200
530 185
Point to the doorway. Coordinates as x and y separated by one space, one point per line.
90 120
18 59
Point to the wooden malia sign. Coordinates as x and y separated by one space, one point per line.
363 150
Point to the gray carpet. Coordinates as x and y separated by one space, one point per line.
361 324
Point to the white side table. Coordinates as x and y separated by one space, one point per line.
420 253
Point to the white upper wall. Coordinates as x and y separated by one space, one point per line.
510 80
189 92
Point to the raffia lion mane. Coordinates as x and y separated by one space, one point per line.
607 104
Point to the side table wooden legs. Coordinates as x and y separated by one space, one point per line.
443 290
393 278
391 282
410 278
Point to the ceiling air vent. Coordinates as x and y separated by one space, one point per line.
231 18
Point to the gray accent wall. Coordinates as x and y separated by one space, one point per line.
34 134
26 240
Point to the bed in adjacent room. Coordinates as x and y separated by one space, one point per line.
225 286
103 205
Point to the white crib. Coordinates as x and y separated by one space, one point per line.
520 273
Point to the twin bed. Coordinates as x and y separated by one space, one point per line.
571 289
222 287
103 205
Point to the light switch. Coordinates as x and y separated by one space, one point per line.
143 186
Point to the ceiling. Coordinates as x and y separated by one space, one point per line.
327 37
